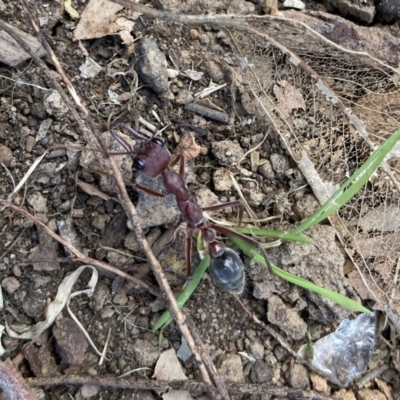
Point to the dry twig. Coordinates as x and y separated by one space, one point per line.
193 386
13 384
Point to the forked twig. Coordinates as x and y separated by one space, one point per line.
122 194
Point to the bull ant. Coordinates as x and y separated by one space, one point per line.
153 159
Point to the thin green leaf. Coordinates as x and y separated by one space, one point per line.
343 301
274 234
167 317
351 186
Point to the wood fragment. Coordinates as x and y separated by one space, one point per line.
13 384
207 112
11 53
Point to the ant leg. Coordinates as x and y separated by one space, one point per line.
147 190
182 166
230 232
135 134
121 141
181 159
218 207
188 250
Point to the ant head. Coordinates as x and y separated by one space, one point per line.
152 158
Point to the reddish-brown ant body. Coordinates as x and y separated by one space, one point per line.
153 159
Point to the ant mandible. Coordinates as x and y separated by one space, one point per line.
153 159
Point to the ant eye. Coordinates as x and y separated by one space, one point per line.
139 164
158 141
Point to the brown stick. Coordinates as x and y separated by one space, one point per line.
80 256
191 386
125 201
221 20
13 384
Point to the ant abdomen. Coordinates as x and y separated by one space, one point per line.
227 271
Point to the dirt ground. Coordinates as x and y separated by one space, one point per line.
71 191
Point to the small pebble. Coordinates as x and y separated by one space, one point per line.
6 155
10 284
30 142
194 34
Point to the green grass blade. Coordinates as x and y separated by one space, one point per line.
343 301
351 186
273 234
166 318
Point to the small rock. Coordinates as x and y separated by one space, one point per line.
184 97
30 142
370 394
204 39
389 10
261 372
297 377
10 284
184 352
256 349
152 66
145 353
240 7
89 390
227 152
297 4
222 180
153 210
319 384
270 6
344 394
99 221
279 163
6 156
71 342
230 368
117 259
99 297
131 243
205 197
107 312
194 34
40 280
215 71
285 318
265 169
120 298
305 206
17 271
363 10
67 231
45 172
54 104
65 206
38 202
253 197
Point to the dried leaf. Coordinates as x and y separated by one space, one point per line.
92 190
289 98
194 75
168 367
100 19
